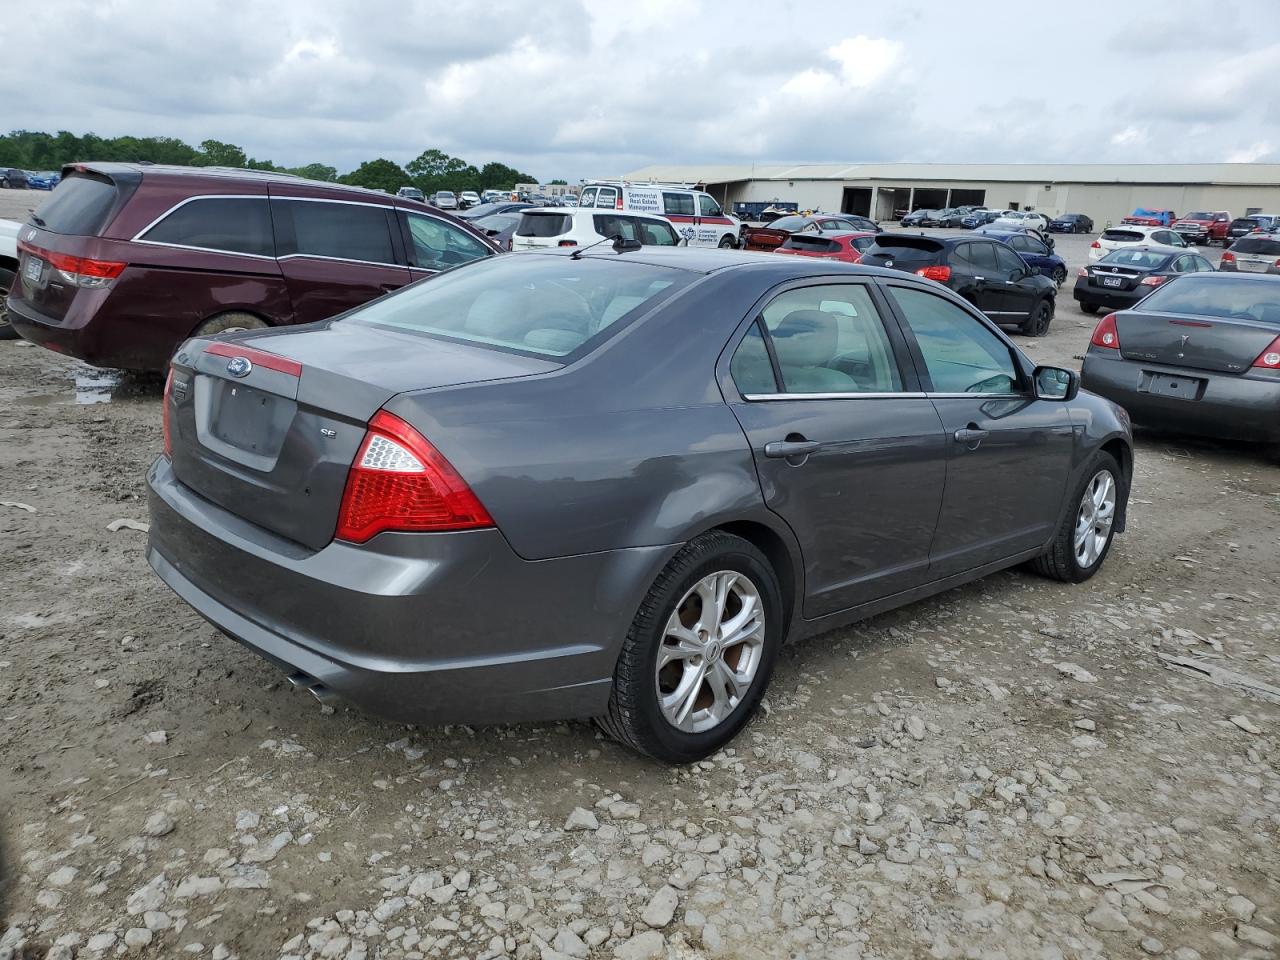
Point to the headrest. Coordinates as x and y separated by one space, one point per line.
805 338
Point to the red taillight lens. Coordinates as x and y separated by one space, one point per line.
80 271
941 274
1096 245
1151 281
164 415
1228 257
1082 272
567 243
1105 334
1269 359
399 481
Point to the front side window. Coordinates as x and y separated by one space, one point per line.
830 339
1008 261
230 224
341 231
678 204
708 207
960 353
439 246
1020 243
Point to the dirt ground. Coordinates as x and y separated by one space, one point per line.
1008 770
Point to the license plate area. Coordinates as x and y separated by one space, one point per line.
1175 387
1112 281
1253 266
242 423
33 269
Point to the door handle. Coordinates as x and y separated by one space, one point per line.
980 278
971 435
786 449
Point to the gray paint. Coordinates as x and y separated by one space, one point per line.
595 472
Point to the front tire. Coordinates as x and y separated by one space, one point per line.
7 331
1084 538
726 242
700 652
1059 275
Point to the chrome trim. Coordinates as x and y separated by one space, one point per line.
979 396
372 263
217 250
835 396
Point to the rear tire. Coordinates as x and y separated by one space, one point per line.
714 710
7 332
1090 307
1037 325
1082 544
229 323
1059 275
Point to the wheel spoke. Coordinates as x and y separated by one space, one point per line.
726 687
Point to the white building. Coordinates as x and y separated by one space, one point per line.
1104 192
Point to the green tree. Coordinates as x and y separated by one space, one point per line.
562 183
315 171
377 174
215 153
498 176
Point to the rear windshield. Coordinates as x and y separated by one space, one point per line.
1247 222
531 304
810 243
906 249
1264 245
1143 259
543 224
1123 236
496 221
1217 295
789 223
79 205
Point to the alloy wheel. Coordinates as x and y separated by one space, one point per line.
711 650
1096 514
4 307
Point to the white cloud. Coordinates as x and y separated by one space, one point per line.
865 60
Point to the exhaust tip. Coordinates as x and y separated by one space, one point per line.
300 681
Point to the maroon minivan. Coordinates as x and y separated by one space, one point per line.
125 261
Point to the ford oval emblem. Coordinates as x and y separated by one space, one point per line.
239 366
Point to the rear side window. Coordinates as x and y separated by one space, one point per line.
678 204
650 233
750 368
80 205
543 225
340 231
231 224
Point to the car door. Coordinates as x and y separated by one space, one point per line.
849 451
987 285
1033 252
1008 453
336 255
434 244
1018 292
712 223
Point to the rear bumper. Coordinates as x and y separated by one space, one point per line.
90 334
450 627
1115 299
1233 407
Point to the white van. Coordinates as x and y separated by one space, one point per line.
696 215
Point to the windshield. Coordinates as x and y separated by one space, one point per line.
445 193
1199 215
1217 295
549 306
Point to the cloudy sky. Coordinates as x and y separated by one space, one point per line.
580 88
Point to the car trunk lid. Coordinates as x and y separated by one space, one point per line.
1201 343
267 425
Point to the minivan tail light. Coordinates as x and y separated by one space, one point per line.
399 481
941 274
78 271
1106 335
164 414
1269 359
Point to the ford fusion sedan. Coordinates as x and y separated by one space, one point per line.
1200 355
611 485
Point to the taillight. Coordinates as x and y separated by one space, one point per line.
1095 245
399 481
78 271
1105 334
941 274
1227 257
1269 359
1152 281
617 204
1082 272
164 415
567 243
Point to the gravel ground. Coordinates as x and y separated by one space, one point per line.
1011 769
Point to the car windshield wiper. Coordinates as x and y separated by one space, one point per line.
36 220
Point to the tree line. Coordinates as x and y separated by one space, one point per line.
432 170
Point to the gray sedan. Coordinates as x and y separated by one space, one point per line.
612 484
1200 355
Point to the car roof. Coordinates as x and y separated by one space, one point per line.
565 211
165 170
715 260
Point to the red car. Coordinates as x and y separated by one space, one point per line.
775 234
123 262
829 245
1205 227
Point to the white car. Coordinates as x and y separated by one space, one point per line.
1022 220
8 270
695 214
1129 235
445 200
470 198
543 228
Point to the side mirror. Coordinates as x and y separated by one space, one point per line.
1056 383
1017 275
1049 242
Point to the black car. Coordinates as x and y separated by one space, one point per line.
978 218
984 271
1125 276
1243 226
1071 223
950 218
13 178
917 218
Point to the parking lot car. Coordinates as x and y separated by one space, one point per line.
1035 250
541 228
469 198
444 199
829 245
948 218
979 218
1204 227
1150 217
495 206
8 270
696 215
498 227
1200 355
983 271
521 503
1125 276
1256 253
1022 220
42 179
917 218
411 193
1129 235
1243 226
123 262
11 178
775 234
1071 223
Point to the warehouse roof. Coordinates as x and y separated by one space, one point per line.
1249 174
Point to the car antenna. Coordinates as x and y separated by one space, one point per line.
615 238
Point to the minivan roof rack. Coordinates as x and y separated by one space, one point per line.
638 183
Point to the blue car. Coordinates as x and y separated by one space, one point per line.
1036 252
44 180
